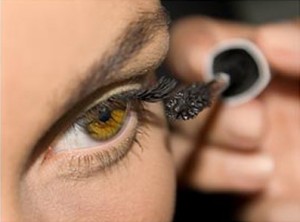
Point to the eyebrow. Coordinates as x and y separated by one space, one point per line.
136 36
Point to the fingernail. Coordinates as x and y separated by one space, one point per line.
251 172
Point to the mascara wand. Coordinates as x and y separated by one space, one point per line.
236 71
188 102
183 102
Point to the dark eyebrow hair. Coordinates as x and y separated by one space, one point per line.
132 40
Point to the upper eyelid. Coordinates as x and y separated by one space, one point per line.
119 90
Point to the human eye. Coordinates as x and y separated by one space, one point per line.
100 135
106 129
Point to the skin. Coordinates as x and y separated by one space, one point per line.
252 148
234 155
57 41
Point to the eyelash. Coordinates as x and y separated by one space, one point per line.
181 102
168 90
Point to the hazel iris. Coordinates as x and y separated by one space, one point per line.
107 122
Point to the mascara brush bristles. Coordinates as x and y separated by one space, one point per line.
181 102
188 102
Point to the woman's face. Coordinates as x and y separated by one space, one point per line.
55 55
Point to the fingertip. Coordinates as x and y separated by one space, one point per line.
246 124
280 44
239 127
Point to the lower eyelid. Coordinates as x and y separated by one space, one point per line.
80 163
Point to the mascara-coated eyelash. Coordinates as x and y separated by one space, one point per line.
181 102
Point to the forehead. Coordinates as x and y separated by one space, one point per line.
46 46
60 37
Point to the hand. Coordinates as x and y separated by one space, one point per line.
253 147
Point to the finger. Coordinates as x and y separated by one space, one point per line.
192 39
281 45
239 127
217 169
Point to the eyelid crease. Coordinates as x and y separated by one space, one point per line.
116 91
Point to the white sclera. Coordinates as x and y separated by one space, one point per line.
76 138
264 75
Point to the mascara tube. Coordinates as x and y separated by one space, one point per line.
242 68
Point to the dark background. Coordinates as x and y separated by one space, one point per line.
193 206
252 11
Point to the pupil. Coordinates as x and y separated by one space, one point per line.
104 114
